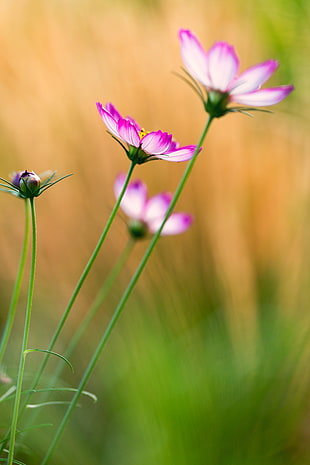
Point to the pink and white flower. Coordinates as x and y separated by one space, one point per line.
147 214
217 70
142 146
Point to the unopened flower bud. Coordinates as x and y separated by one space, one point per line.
29 183
16 178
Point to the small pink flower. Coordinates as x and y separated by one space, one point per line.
217 70
147 214
142 146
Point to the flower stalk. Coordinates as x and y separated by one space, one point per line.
81 280
108 283
125 297
25 336
17 285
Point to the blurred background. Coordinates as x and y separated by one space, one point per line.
209 362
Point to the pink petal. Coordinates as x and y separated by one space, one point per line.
134 200
109 120
156 142
181 154
134 122
253 78
175 224
223 65
264 97
113 111
173 146
156 207
128 132
194 56
118 184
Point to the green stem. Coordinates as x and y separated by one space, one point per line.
25 337
124 299
74 295
83 277
17 286
108 283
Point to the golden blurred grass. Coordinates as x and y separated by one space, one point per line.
249 190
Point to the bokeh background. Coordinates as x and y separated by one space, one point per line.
209 362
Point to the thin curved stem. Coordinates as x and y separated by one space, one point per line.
17 285
83 278
124 299
74 296
108 283
25 336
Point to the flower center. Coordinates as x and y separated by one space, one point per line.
216 104
137 228
143 133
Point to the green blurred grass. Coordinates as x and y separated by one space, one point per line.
170 396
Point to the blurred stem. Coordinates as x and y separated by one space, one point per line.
125 297
81 280
25 337
108 283
17 285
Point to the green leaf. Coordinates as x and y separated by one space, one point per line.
51 353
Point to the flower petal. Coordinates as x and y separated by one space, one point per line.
264 97
128 132
252 78
223 65
134 122
173 146
118 184
113 111
175 224
109 120
194 56
180 154
156 142
156 207
134 200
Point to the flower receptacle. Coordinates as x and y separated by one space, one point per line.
216 104
137 229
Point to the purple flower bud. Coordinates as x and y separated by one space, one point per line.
29 183
16 178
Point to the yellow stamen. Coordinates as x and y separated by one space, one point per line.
143 133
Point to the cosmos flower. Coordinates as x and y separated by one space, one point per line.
142 146
147 214
217 70
27 184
